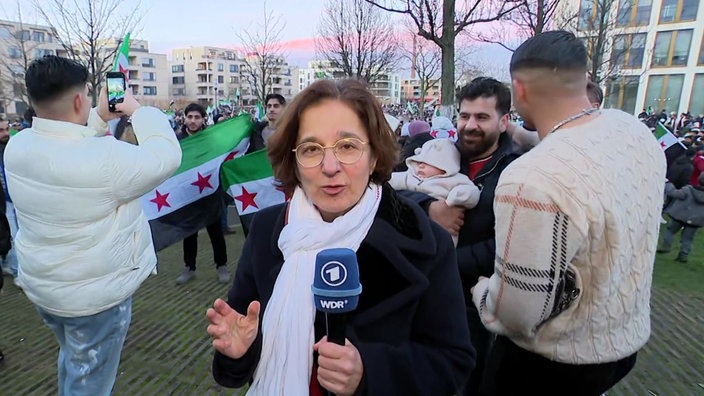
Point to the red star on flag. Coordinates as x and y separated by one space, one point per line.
160 200
286 196
231 155
247 199
203 182
451 132
662 144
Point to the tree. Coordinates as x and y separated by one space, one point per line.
440 21
424 58
87 30
530 18
21 52
263 53
357 39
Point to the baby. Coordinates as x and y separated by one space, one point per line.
435 170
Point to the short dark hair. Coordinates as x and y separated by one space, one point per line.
594 92
557 49
276 96
352 93
51 76
195 107
487 87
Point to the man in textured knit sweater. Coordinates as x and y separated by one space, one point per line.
577 223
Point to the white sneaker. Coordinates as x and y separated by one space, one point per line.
185 276
223 274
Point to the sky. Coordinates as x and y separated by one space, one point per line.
171 24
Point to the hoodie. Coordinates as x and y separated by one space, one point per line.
687 205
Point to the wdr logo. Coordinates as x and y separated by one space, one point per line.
333 273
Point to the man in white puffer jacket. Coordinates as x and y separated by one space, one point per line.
84 245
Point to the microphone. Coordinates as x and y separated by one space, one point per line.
336 289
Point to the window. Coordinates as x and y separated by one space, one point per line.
586 14
177 69
233 69
672 48
664 92
696 101
179 91
134 75
14 52
628 50
634 12
178 80
147 62
5 33
678 10
234 80
221 67
149 76
24 35
701 53
621 94
38 37
221 79
149 91
39 53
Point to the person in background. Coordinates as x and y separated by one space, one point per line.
575 241
686 213
418 134
275 105
195 123
83 242
408 336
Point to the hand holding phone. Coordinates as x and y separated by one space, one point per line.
116 89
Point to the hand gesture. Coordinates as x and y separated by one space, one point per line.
128 106
450 218
231 332
340 368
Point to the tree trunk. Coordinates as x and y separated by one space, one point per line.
447 46
540 17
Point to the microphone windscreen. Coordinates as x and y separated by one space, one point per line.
336 286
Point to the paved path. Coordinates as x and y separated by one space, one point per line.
168 351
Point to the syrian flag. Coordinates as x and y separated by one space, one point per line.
192 199
259 115
250 182
437 112
122 63
669 143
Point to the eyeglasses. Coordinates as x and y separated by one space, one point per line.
347 151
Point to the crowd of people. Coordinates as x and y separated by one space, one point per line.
496 258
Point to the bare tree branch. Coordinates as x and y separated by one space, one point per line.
88 29
357 39
263 53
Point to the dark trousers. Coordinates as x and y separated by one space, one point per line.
511 370
481 341
217 239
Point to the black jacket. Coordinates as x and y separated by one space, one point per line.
680 171
256 141
409 327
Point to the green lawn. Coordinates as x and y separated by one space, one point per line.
681 277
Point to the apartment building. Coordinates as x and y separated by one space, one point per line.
410 91
282 76
657 53
149 74
387 87
20 43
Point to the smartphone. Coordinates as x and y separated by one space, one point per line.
116 89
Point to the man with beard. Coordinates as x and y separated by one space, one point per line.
485 150
195 122
577 223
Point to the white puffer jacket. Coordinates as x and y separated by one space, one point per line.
84 244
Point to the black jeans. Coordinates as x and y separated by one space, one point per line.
511 370
217 239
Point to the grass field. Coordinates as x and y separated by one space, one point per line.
168 351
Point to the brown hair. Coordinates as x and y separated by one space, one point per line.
353 93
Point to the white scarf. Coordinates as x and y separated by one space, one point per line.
286 360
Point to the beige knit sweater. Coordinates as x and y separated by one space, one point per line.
586 201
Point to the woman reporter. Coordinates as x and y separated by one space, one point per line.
334 151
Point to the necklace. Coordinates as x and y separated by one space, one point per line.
571 118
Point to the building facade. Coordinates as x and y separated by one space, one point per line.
148 76
411 91
20 43
387 87
657 53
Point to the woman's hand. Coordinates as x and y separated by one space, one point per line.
231 332
340 367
